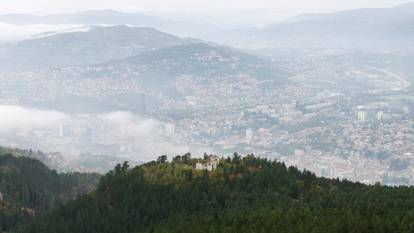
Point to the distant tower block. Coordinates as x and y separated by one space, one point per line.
362 116
380 115
169 129
144 104
61 131
249 136
242 114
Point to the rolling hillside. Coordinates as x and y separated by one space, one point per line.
148 74
360 28
241 195
112 17
97 45
28 188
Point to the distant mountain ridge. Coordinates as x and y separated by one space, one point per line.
136 63
150 73
160 68
352 28
200 59
112 17
100 44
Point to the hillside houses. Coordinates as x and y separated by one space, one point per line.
210 164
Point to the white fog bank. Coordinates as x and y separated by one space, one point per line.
118 134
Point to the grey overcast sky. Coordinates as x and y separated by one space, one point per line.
238 9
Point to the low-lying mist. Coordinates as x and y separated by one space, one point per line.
117 134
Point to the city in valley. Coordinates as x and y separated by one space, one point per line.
352 121
206 116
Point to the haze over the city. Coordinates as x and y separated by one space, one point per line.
212 11
322 85
206 116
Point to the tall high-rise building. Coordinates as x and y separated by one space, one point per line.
249 136
61 130
169 129
362 116
380 115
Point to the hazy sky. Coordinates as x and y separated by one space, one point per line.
220 9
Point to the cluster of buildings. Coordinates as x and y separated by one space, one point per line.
356 137
209 164
348 131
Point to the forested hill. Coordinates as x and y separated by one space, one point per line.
242 195
28 187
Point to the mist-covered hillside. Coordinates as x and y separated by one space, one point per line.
111 17
97 45
360 28
133 79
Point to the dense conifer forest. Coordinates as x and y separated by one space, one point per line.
28 188
246 194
